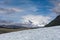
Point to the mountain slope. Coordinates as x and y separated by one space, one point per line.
50 33
54 22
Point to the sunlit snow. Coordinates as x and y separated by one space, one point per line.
50 33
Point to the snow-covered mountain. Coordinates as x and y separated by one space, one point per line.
51 33
28 24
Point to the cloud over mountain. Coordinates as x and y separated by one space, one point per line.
37 19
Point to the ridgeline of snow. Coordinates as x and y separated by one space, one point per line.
50 33
25 24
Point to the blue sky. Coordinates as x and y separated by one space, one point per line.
15 10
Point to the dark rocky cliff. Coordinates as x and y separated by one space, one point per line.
54 22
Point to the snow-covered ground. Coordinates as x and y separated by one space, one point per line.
50 33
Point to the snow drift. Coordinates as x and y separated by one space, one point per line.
50 33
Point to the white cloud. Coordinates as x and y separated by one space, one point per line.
56 7
33 8
15 9
36 19
10 10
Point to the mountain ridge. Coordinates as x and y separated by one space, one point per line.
54 22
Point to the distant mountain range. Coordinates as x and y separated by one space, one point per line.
19 25
30 24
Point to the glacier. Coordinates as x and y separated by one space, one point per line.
48 33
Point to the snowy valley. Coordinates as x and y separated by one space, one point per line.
50 33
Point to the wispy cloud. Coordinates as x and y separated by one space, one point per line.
56 7
9 10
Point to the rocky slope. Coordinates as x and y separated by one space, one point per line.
54 22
